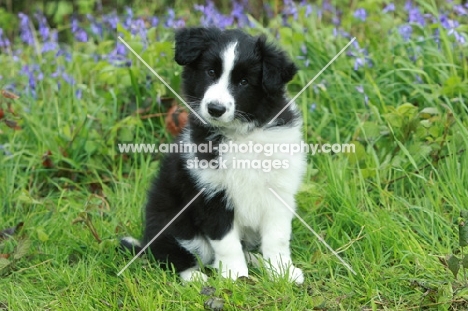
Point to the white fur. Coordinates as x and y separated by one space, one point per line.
256 209
200 247
132 241
219 92
229 255
193 274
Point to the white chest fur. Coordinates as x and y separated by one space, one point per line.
247 176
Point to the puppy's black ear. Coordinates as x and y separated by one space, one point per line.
191 42
277 68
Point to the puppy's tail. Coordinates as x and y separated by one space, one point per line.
131 245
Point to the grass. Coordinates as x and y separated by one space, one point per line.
391 210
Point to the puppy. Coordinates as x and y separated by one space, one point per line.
235 84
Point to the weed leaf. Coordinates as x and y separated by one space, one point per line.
453 264
21 249
462 234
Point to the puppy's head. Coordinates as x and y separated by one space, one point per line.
230 75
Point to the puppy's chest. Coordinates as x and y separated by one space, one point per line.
249 166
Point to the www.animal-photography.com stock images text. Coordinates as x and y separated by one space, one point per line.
233 155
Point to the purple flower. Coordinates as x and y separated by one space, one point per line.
79 33
212 17
25 29
308 10
33 73
96 28
4 42
67 55
68 78
52 44
405 31
79 93
128 19
238 14
118 56
360 14
154 21
415 16
44 29
111 19
389 8
361 56
460 10
290 9
451 25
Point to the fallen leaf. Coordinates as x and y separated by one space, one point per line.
9 95
8 232
13 125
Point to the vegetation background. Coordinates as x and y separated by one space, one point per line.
392 209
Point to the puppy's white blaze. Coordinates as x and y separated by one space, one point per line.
219 92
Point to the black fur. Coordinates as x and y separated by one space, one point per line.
267 70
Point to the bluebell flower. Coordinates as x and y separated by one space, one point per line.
290 9
360 14
4 42
405 31
460 10
66 54
361 56
154 21
51 44
111 19
26 34
326 6
31 72
79 33
96 27
414 15
308 10
389 8
128 19
212 17
44 29
451 25
79 93
238 13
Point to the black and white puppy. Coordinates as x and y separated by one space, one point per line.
236 83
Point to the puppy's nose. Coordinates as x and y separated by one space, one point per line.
216 109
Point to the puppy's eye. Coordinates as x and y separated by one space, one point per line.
244 82
211 72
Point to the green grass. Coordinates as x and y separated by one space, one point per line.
391 210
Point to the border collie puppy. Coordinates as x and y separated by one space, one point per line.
236 84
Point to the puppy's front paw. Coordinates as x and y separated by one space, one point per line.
295 275
191 275
231 270
292 273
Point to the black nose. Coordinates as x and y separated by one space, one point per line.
216 109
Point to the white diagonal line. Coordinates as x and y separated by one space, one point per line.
315 233
162 80
311 81
159 233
